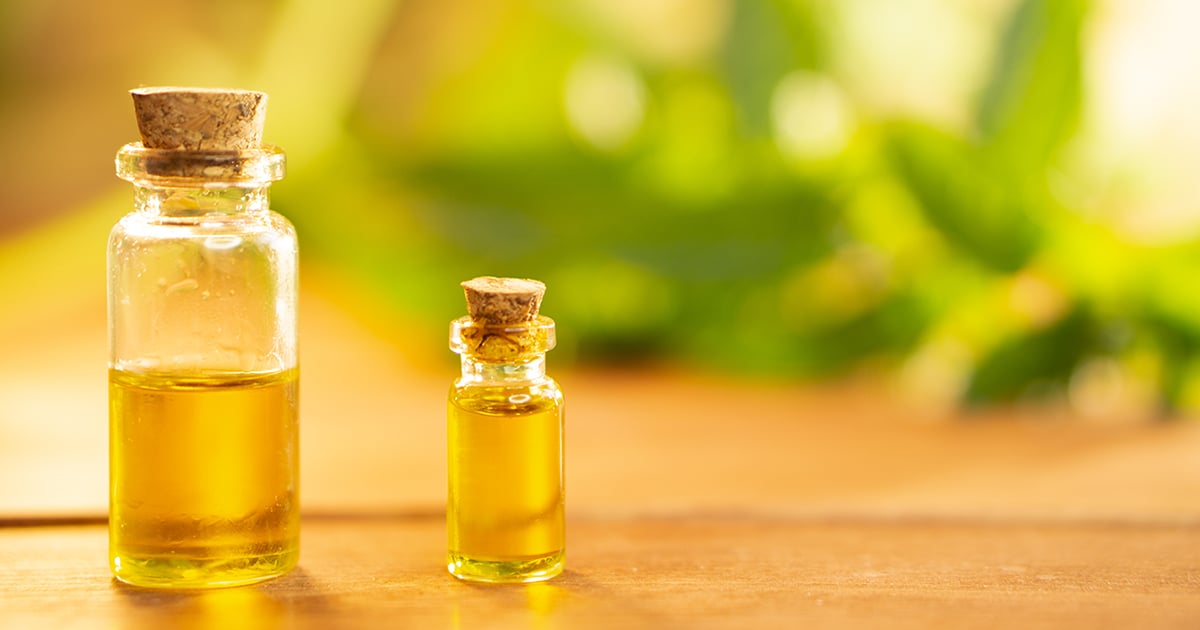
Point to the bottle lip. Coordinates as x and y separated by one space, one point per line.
215 169
502 342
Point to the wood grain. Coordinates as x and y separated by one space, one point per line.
710 572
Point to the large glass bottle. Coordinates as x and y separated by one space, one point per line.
505 509
203 413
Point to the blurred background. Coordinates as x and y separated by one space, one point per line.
970 202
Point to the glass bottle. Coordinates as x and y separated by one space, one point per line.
505 510
203 412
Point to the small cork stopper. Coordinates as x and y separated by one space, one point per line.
500 301
196 119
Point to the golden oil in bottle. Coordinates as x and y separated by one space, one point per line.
505 508
505 515
203 474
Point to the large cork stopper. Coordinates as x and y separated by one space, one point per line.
200 119
501 301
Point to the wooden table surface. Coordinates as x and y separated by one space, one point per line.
646 572
693 501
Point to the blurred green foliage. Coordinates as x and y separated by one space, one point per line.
697 236
732 205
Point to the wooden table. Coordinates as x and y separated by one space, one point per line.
651 572
693 501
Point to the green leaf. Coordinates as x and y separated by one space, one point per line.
1031 363
313 87
767 40
1032 101
965 196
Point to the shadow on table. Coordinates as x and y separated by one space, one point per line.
272 604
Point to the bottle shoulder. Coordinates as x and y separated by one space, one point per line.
280 223
143 225
543 384
517 398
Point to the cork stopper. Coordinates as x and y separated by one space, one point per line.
196 119
500 301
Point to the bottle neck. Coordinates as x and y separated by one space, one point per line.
196 202
187 186
514 372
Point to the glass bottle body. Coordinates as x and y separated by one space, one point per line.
203 376
505 510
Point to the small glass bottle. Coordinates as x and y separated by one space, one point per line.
202 295
505 510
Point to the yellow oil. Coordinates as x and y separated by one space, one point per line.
203 478
505 516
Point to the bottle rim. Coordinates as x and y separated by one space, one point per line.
213 169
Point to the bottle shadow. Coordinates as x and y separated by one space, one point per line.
275 603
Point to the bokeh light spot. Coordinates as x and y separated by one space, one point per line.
811 118
605 102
